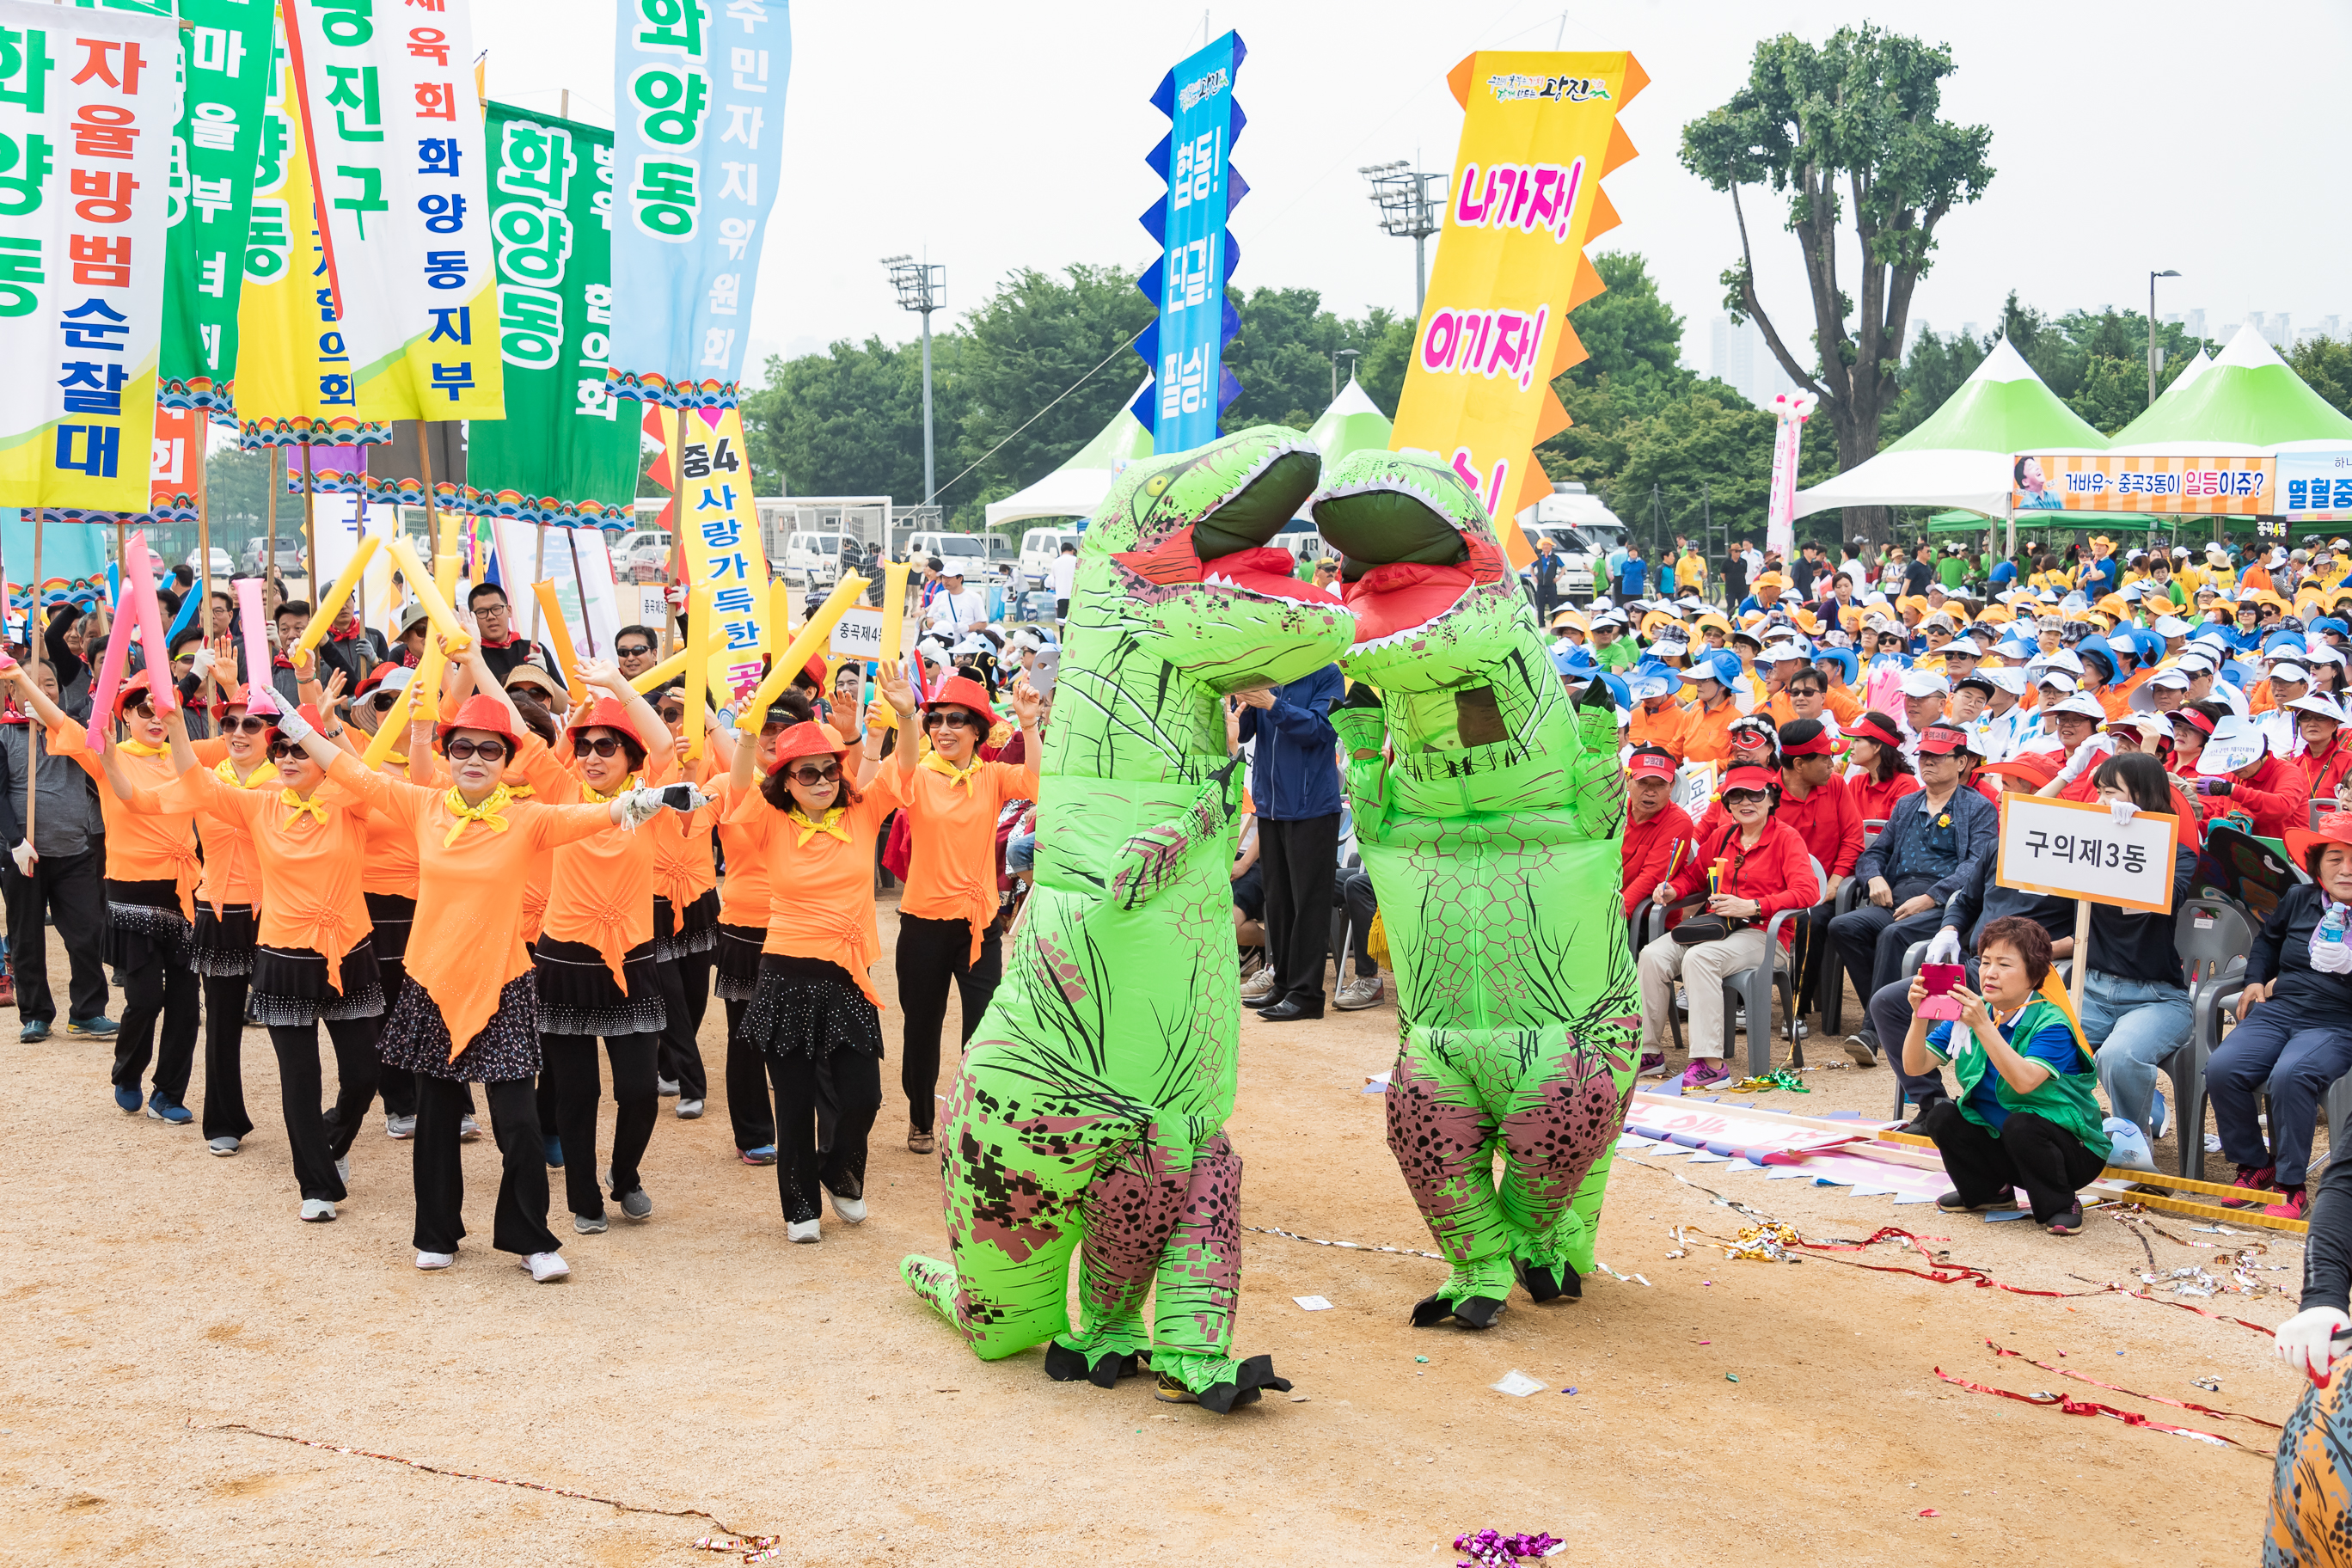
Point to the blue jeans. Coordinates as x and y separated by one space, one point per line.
2294 1055
2134 1024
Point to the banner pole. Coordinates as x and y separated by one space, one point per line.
269 565
204 537
2082 951
35 624
580 582
309 520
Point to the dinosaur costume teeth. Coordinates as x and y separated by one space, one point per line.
1087 1119
1491 843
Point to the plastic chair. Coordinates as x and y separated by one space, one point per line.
1833 995
1751 988
2213 937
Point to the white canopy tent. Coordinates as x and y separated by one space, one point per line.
1080 485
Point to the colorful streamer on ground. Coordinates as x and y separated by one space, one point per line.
86 122
698 97
396 154
1188 386
567 451
1539 132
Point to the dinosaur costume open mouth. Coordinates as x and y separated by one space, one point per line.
1406 561
1395 603
1227 547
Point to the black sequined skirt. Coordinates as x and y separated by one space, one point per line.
808 1008
290 989
143 922
417 1036
223 944
393 913
738 956
577 994
699 932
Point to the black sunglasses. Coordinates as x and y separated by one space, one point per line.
246 724
1742 796
488 750
605 747
936 717
384 702
829 773
280 749
142 706
638 651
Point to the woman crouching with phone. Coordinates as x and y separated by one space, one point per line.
2025 1115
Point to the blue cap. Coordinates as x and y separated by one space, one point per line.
1651 678
1572 661
2210 630
1845 660
1722 666
2278 643
2330 624
1620 690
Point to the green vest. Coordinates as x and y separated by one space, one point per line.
2063 1099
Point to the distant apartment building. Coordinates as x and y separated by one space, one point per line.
1739 357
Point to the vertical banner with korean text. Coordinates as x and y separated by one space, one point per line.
566 449
397 155
1539 132
720 529
698 107
87 103
1790 410
224 67
1188 386
296 385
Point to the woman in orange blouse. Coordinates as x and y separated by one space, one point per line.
594 962
815 1016
948 914
467 1012
388 882
152 873
314 960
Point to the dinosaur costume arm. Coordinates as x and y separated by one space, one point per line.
1153 860
1363 727
1596 780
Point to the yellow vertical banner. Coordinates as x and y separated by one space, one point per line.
1539 132
718 528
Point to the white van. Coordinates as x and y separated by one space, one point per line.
811 560
1039 549
968 553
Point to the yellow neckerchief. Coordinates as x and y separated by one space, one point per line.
486 814
588 795
300 805
808 830
226 771
136 750
968 777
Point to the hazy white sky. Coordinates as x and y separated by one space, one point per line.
2127 137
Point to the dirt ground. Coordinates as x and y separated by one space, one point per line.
155 1295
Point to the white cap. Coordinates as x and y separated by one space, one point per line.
2007 676
2320 653
2169 626
2180 552
1963 648
2235 741
2174 679
1923 683
2065 658
1777 652
2287 670
2318 703
2056 681
2080 703
2195 660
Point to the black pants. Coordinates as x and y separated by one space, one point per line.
521 1226
164 991
824 1114
2033 1152
931 954
1871 941
316 1144
1352 892
225 1114
571 1066
685 984
397 1085
1812 929
71 890
747 1085
1301 862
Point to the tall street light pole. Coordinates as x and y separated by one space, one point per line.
1351 356
920 286
2151 331
1410 209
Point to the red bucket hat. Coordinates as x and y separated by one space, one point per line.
2305 844
130 688
964 693
604 714
486 713
808 740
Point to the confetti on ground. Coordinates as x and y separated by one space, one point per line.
1517 1383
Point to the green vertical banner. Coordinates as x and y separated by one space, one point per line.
566 451
224 63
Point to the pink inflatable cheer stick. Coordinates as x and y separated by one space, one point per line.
140 591
260 695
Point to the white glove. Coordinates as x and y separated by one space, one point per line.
293 727
2122 811
25 858
640 806
2087 755
1944 947
2304 1340
201 665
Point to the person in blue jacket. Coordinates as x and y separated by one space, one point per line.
1293 780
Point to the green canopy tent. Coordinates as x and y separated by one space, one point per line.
2246 402
1352 423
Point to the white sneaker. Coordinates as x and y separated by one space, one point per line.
690 1110
429 1260
851 1210
223 1145
1258 986
1364 990
801 1230
468 1130
547 1268
667 1088
317 1211
400 1126
1682 999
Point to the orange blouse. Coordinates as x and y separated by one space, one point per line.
601 893
467 940
145 842
390 864
310 871
821 876
951 874
230 874
683 867
744 898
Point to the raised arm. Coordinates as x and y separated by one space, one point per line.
608 678
901 698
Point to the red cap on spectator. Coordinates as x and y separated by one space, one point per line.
1749 776
1650 763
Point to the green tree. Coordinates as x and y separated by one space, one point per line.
1387 353
1699 458
2326 365
1283 355
1847 129
850 421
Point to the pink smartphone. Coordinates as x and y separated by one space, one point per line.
1939 1003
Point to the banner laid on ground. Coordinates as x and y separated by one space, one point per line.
2094 482
698 101
296 383
567 449
1539 132
396 153
88 104
720 532
1188 386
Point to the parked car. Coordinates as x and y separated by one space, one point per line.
966 552
643 555
1582 528
813 560
224 564
1039 547
289 555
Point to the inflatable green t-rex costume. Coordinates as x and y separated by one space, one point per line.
1492 841
1089 1111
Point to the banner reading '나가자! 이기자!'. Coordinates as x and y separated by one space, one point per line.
88 105
396 153
698 111
1540 131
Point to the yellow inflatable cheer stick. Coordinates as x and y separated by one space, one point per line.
323 616
812 637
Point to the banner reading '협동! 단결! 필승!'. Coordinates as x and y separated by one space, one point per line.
1540 131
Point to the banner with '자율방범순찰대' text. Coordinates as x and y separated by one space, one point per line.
1539 132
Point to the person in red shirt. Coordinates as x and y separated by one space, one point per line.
2238 766
1881 775
2327 757
1754 869
1816 802
1658 831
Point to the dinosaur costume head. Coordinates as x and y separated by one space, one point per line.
1422 573
1179 547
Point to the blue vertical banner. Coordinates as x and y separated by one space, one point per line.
698 127
1190 385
